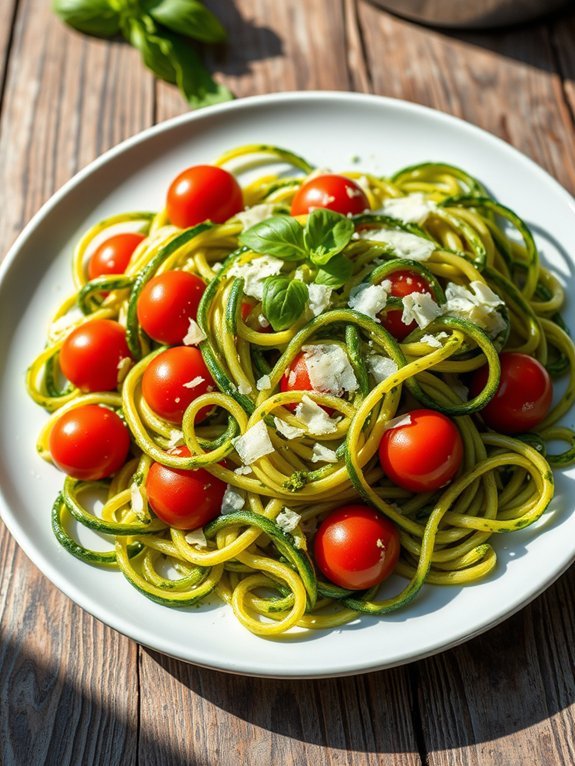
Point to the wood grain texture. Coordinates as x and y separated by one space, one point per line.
230 720
75 692
505 82
68 684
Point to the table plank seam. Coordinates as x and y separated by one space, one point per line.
7 54
558 64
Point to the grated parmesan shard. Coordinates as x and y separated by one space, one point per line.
195 334
315 417
254 444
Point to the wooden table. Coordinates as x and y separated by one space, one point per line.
75 692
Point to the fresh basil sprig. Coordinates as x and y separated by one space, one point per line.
284 301
336 273
160 30
280 235
325 234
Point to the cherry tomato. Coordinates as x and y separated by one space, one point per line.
91 354
165 382
329 191
167 303
356 547
89 442
201 193
403 283
523 397
424 454
184 499
296 378
113 255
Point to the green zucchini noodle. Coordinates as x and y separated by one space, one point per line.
263 568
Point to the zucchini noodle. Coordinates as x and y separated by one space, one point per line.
247 556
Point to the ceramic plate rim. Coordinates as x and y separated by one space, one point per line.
103 613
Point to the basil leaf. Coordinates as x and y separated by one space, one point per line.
326 233
194 81
188 17
93 17
284 301
280 235
156 51
335 273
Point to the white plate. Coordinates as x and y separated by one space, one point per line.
328 129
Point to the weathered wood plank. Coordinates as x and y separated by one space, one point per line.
68 685
6 30
505 82
563 39
229 720
274 47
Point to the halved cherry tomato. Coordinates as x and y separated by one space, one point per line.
113 255
523 397
89 442
91 355
166 383
296 378
356 547
403 283
330 191
167 303
424 453
201 193
184 499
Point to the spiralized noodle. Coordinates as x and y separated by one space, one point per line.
263 572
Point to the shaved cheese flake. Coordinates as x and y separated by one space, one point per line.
138 499
404 244
262 321
320 453
434 340
381 367
197 538
421 308
233 500
243 470
218 266
175 438
254 444
314 417
263 383
398 422
287 520
244 388
256 214
413 208
292 377
319 298
370 299
329 369
255 272
477 304
194 335
290 432
194 382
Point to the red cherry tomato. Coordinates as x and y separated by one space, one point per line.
164 383
356 547
113 255
424 454
329 191
523 397
167 303
403 283
201 193
89 442
184 499
91 354
296 378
